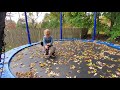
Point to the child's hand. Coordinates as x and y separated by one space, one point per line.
49 44
46 47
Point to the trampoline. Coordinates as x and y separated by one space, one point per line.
75 58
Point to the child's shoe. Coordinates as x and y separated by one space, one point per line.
53 54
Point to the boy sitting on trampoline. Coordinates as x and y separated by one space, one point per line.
48 43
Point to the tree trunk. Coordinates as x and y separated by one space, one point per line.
98 24
10 16
84 32
113 17
2 26
112 23
19 15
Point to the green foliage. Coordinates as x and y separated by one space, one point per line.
74 19
21 23
114 33
78 19
114 29
51 20
107 22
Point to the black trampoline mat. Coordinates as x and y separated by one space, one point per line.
74 59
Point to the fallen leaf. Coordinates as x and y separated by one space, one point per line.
114 76
72 67
75 76
99 67
118 69
52 73
48 61
21 63
91 67
36 61
89 64
78 71
88 60
31 57
101 76
109 71
47 70
57 67
32 65
67 76
54 63
23 66
42 64
118 73
89 72
95 74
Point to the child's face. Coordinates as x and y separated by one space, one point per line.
47 34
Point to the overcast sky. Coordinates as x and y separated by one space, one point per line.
15 16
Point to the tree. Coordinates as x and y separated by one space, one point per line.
2 26
81 20
32 17
9 14
102 23
78 19
10 24
21 23
51 20
114 28
19 15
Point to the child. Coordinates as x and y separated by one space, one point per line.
48 43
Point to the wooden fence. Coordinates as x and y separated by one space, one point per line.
18 37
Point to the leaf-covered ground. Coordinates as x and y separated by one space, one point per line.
74 59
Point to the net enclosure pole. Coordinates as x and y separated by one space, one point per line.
60 25
94 30
27 29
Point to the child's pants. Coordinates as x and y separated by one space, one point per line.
50 50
